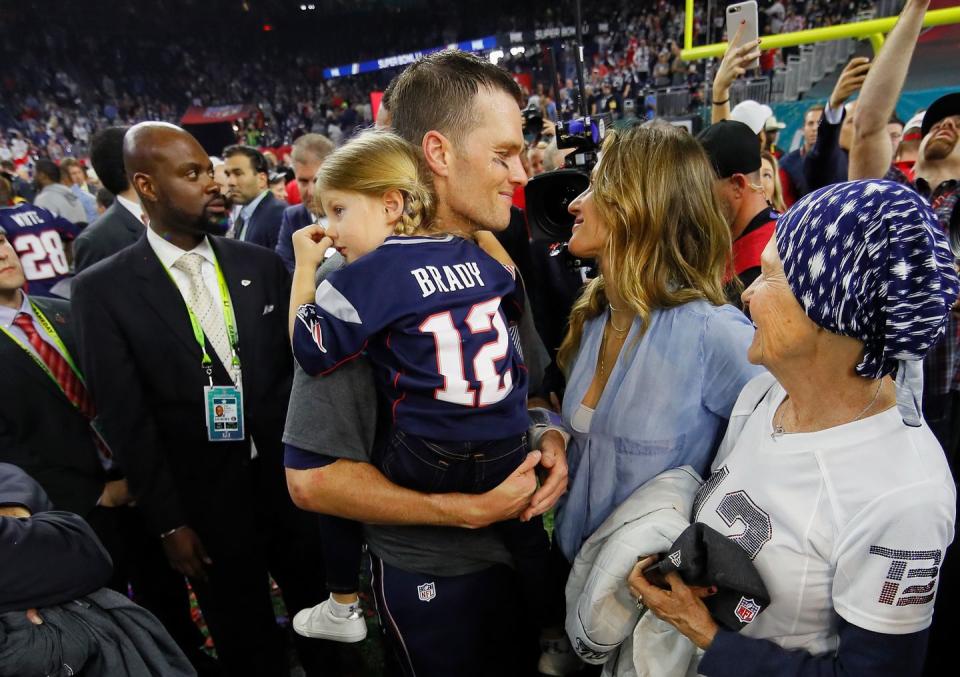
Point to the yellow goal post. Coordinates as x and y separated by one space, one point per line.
872 29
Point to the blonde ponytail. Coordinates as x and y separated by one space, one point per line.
417 207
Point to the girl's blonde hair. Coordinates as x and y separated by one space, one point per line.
777 199
373 163
668 241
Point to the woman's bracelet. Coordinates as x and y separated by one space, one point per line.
720 103
543 421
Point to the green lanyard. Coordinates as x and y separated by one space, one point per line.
52 334
228 317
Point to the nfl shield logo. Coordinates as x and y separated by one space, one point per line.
747 610
427 591
675 559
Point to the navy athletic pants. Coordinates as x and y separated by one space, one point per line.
469 626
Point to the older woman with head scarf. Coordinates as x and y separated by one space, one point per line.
827 476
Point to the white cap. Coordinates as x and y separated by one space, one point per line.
916 122
773 124
751 113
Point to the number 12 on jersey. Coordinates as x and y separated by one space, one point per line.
456 388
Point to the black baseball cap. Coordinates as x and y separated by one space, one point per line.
705 557
732 147
944 107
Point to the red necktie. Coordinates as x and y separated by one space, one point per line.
72 386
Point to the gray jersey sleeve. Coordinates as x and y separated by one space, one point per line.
334 415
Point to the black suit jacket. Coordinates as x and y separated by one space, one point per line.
112 231
826 163
40 430
264 225
142 364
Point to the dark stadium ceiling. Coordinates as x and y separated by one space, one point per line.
333 32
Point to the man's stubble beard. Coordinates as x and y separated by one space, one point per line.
938 150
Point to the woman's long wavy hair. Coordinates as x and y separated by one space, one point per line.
669 242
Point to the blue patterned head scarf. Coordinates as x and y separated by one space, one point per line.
867 259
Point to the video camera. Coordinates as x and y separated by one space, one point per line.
549 195
532 124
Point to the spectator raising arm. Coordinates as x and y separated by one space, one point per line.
870 154
826 163
732 66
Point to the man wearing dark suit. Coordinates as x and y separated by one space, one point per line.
45 429
220 508
41 430
308 153
122 223
260 213
294 218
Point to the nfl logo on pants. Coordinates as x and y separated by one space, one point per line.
427 591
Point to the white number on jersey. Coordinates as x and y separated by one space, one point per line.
42 256
737 506
456 389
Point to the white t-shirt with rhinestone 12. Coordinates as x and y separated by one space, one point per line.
849 522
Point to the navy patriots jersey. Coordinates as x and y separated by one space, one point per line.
38 237
432 314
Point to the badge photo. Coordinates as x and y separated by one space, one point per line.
224 413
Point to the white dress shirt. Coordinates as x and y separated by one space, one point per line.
7 315
134 208
246 211
169 254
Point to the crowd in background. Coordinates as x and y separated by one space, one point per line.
64 86
746 327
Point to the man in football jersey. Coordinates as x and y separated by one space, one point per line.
40 239
447 594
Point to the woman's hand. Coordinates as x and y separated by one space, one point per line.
680 606
310 244
554 461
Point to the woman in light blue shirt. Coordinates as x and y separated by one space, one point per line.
654 359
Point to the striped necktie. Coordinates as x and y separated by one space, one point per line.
66 378
71 384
